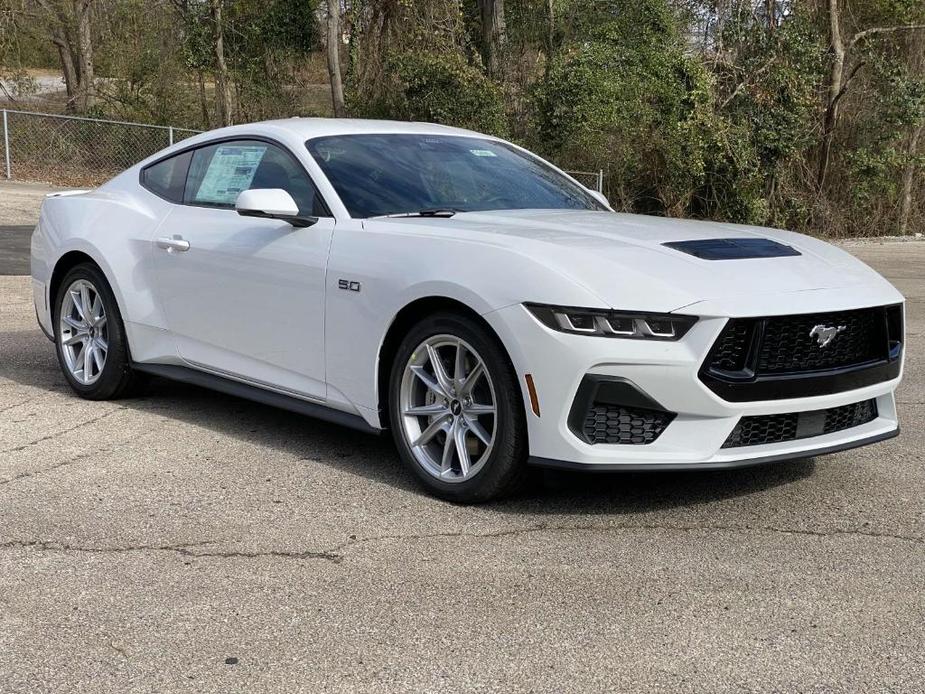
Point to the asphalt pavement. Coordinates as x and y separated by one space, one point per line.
189 541
14 248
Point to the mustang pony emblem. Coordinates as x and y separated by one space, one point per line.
824 334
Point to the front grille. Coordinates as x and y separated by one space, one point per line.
627 425
785 343
787 347
776 428
779 357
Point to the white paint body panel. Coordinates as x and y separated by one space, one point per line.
258 300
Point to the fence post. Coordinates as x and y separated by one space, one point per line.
6 144
600 180
170 136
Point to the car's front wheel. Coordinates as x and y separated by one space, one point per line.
456 410
90 336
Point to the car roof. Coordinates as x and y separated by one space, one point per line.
307 128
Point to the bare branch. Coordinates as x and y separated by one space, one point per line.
861 35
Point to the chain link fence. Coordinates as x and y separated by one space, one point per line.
76 151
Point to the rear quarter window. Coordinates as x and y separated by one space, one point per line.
167 177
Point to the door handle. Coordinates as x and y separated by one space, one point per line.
174 245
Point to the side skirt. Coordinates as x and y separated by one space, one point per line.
261 395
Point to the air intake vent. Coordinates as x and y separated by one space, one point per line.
776 428
626 425
733 249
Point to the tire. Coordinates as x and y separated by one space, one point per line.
456 417
110 371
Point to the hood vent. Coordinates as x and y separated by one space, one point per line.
733 249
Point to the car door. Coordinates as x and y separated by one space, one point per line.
244 296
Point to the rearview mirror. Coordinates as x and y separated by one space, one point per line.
600 197
271 203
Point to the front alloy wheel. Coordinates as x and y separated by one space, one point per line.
448 408
456 409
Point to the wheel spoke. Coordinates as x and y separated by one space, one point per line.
428 380
477 409
96 310
101 344
74 324
471 379
101 321
479 431
446 462
439 371
98 358
75 339
78 305
438 408
85 304
435 426
88 348
459 368
462 450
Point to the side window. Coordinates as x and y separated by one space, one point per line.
219 172
166 178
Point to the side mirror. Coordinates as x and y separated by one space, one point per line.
601 198
271 203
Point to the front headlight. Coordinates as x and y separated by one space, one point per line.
625 324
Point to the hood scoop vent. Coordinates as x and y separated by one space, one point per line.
733 249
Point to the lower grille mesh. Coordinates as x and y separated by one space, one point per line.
620 424
775 428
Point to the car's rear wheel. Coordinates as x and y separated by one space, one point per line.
455 410
90 336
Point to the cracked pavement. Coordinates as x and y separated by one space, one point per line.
189 541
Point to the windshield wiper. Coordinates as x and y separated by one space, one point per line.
427 212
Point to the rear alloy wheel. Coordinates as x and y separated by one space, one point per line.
456 411
90 337
83 334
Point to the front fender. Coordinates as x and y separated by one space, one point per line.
395 270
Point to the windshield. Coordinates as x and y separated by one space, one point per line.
399 174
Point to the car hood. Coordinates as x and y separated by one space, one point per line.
621 257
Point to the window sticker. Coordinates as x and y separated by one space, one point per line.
482 153
231 171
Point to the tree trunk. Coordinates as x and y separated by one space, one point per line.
494 36
836 83
550 33
86 96
203 100
68 69
222 85
334 41
909 180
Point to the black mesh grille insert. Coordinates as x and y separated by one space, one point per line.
731 349
627 425
775 428
787 345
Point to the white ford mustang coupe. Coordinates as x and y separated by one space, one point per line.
469 296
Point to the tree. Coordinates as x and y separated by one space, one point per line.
493 35
67 24
840 78
333 52
222 84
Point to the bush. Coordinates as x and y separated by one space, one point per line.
631 101
440 88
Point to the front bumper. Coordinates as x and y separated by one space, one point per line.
667 372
